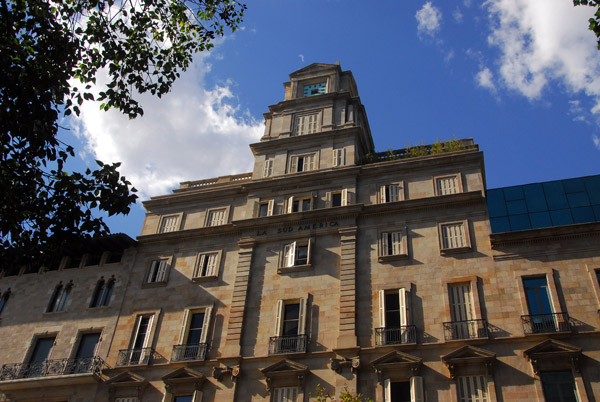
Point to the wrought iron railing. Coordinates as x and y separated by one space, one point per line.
196 351
468 329
396 336
287 344
49 368
545 323
132 357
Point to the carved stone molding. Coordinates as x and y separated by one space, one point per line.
338 364
218 372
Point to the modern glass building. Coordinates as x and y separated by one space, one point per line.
540 205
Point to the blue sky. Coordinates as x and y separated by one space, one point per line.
521 77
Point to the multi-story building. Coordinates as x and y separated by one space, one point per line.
397 275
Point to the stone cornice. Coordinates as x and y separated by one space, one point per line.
330 98
544 235
306 140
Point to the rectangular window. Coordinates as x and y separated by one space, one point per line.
391 244
391 193
403 391
194 337
216 217
285 394
463 325
538 298
139 352
87 346
93 259
339 157
268 168
337 198
113 257
472 388
454 236
559 386
447 185
73 262
296 254
299 204
307 124
40 353
184 398
394 318
290 327
158 271
207 265
302 163
169 223
265 208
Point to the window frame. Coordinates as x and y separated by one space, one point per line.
274 396
60 299
293 162
466 232
290 203
285 259
214 271
148 273
211 211
458 183
317 122
384 190
148 339
302 303
416 388
186 321
270 208
34 341
268 168
382 243
176 227
344 195
338 158
460 385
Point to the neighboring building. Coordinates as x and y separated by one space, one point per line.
330 264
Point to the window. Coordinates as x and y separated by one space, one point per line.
207 265
339 157
103 292
3 299
183 398
59 298
542 318
114 257
268 168
84 357
302 163
158 271
463 325
169 223
299 204
337 198
403 391
391 193
559 386
392 244
93 259
472 388
296 254
448 185
40 353
394 318
454 236
290 327
307 124
216 217
140 352
285 394
314 89
73 262
194 336
265 208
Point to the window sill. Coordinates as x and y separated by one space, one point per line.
457 250
294 268
153 284
98 308
205 278
383 258
54 312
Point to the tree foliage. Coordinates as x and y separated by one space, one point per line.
595 20
345 396
51 55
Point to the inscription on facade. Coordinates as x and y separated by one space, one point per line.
300 228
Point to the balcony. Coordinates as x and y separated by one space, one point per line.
51 368
134 357
287 344
196 351
396 336
545 323
468 329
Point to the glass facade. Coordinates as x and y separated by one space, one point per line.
540 205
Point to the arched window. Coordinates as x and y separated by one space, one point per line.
59 299
103 292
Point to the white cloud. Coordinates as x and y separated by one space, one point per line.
543 42
428 19
485 79
458 16
301 57
596 140
192 133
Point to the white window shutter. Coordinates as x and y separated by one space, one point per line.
291 255
382 198
293 164
397 243
336 158
416 389
206 325
308 251
268 168
344 197
387 390
311 162
197 396
211 268
278 317
302 317
328 199
382 308
255 209
384 243
290 205
163 268
403 296
200 265
394 192
270 207
148 331
184 327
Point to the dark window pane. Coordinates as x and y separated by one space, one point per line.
582 215
558 386
400 391
540 220
538 300
520 222
42 348
500 225
555 195
592 185
578 200
573 185
496 204
87 345
336 199
513 193
290 328
596 209
183 398
535 198
306 204
264 208
292 311
561 217
301 255
516 207
392 301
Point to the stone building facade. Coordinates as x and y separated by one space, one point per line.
328 265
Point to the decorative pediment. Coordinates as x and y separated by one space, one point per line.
285 372
126 384
314 67
183 377
469 356
397 364
553 354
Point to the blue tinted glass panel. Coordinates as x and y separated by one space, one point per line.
519 222
516 207
561 217
500 225
573 185
592 184
513 193
495 201
538 300
555 196
582 215
578 200
535 198
596 209
540 220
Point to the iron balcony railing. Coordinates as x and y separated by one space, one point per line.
132 357
395 336
468 329
50 368
287 344
196 351
545 323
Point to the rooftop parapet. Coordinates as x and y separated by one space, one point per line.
439 147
